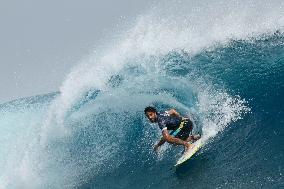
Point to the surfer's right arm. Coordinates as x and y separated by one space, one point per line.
160 143
168 138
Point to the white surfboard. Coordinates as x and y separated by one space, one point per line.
187 155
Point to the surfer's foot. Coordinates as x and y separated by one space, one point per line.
196 137
188 147
190 139
193 138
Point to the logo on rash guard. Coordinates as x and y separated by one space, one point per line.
166 113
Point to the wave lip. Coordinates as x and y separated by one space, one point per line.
169 58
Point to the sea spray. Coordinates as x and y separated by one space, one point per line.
94 130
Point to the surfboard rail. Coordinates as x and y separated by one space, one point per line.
189 153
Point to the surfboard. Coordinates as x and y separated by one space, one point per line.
189 153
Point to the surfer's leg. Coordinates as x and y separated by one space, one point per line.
196 137
185 134
185 137
187 131
193 138
187 148
190 138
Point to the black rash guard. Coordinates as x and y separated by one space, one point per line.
165 121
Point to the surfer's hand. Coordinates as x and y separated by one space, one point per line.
184 118
156 148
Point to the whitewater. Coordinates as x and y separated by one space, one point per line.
220 63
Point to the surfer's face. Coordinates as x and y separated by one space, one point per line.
152 116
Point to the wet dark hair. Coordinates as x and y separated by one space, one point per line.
150 109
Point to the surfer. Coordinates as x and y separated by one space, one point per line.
180 127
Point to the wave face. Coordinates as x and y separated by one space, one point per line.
220 63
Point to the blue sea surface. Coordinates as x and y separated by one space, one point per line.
93 134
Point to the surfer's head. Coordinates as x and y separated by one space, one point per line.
151 113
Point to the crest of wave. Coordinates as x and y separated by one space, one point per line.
179 25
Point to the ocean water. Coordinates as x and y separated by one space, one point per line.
221 63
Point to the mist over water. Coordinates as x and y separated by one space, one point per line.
221 63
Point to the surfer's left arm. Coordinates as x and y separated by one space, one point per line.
173 112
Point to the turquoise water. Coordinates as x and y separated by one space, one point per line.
93 133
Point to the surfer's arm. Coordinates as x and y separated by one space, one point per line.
161 142
173 112
168 138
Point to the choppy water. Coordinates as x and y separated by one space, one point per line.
223 66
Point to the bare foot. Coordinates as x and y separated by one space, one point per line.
188 147
196 137
190 139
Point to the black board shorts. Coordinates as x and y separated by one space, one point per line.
185 131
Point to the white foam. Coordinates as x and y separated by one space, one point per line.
187 25
190 26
